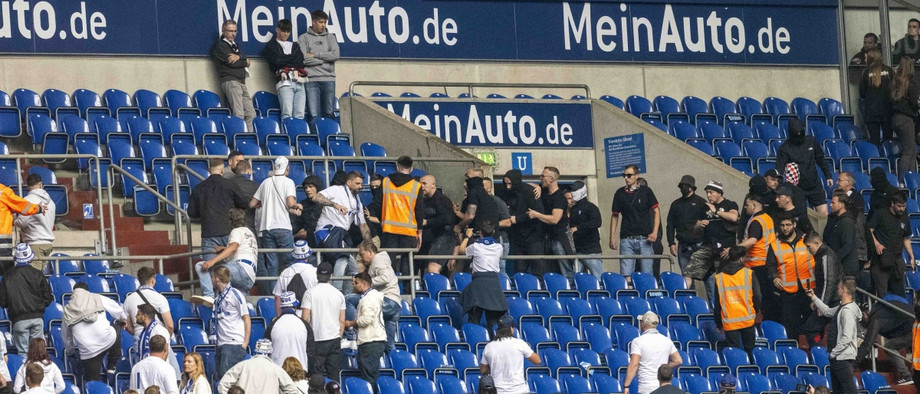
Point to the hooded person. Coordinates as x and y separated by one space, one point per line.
882 190
806 152
584 221
526 234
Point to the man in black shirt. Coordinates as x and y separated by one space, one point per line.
857 208
304 225
585 220
555 220
683 236
784 205
501 233
827 275
640 219
478 204
840 233
719 227
526 234
437 237
210 201
890 232
242 178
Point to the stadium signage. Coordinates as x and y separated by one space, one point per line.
507 124
687 31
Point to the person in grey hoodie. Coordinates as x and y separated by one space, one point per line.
37 230
320 51
841 334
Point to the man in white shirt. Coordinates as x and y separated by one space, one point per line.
37 230
335 221
87 331
383 279
259 374
276 199
154 370
299 278
324 309
146 294
291 335
503 359
240 252
646 354
34 376
372 336
230 321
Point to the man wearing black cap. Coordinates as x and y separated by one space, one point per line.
719 226
805 151
786 207
305 224
317 384
324 308
503 359
684 237
585 221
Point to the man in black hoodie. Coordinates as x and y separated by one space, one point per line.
840 233
285 61
526 234
401 213
827 274
684 237
437 237
232 69
805 151
585 220
478 204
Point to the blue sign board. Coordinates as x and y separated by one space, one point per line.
88 211
622 151
553 124
522 161
686 31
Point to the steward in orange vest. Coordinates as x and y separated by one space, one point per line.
401 213
737 300
792 270
759 238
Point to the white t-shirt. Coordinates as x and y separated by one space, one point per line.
133 300
53 381
485 258
229 308
154 371
38 390
247 249
342 196
96 337
273 194
306 270
653 349
325 302
289 339
505 358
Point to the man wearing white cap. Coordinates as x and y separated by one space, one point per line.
259 374
292 336
25 292
299 278
646 354
277 198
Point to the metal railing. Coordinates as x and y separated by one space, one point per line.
93 160
881 346
470 86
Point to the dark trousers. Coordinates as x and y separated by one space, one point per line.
327 358
904 125
917 380
814 329
93 366
227 356
369 355
492 317
400 260
842 377
742 338
890 278
769 306
796 308
876 129
534 267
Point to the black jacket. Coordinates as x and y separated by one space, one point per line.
827 274
876 99
682 217
277 60
439 216
907 105
732 268
807 155
220 52
211 200
586 217
882 189
840 236
25 293
519 199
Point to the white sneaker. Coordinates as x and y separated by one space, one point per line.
206 301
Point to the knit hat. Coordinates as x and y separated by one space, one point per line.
301 250
728 381
688 180
715 186
280 166
23 254
579 191
289 300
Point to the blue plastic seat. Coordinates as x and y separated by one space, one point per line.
180 103
669 108
551 310
73 125
724 110
266 104
356 385
775 332
697 308
797 360
833 112
89 104
695 384
638 105
463 360
623 334
606 384
683 130
598 336
120 103
582 312
421 385
695 108
613 101
264 127
542 384
327 129
528 285
208 102
151 104
711 131
873 382
60 285
28 103
768 360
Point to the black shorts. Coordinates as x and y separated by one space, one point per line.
816 196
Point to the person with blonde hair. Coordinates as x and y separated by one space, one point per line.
295 370
904 95
194 378
873 94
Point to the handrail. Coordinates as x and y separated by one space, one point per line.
93 158
176 208
875 298
471 85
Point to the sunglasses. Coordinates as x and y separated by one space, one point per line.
629 175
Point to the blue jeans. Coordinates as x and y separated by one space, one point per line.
272 263
593 266
24 331
293 100
239 279
345 266
636 246
227 356
566 267
391 313
320 99
503 263
208 244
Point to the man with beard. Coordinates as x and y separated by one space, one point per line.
526 234
437 237
792 269
805 151
759 239
337 217
840 233
890 231
683 236
718 226
827 275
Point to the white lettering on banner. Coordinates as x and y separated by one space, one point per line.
83 24
582 28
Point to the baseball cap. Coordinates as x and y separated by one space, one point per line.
302 250
289 300
317 383
280 166
773 173
649 318
506 321
486 383
23 254
324 269
728 381
784 190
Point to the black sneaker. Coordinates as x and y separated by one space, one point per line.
905 381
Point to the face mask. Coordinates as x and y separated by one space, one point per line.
685 189
797 138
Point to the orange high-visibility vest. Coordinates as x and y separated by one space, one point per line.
795 265
398 213
757 254
10 203
916 351
736 296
